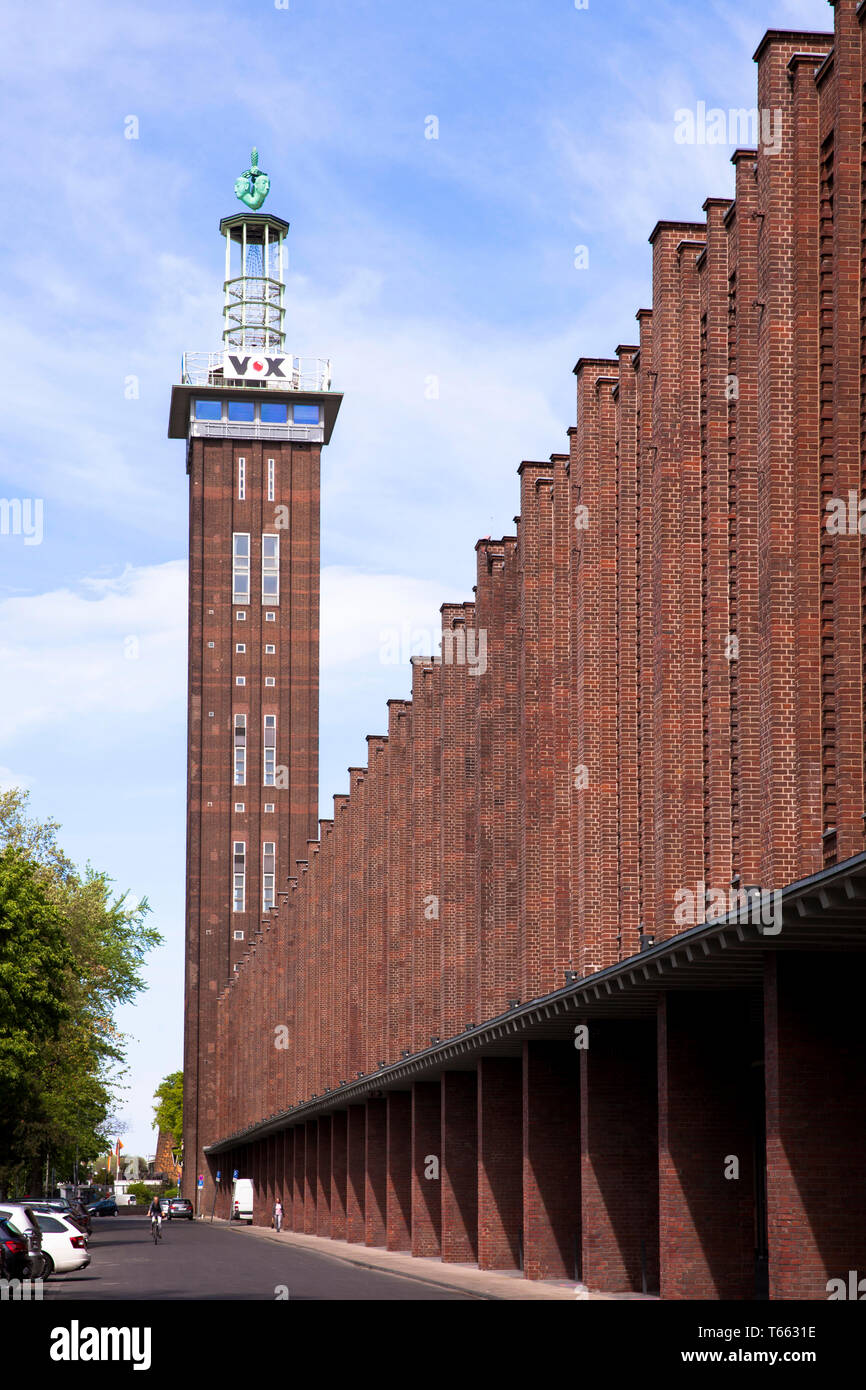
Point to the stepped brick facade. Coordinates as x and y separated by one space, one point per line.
164 1162
656 692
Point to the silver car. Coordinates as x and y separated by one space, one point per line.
23 1220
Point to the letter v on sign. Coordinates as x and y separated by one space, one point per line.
239 364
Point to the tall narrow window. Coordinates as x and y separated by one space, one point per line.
241 567
270 748
240 750
239 877
270 480
270 569
269 869
242 479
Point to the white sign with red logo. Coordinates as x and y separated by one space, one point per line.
244 364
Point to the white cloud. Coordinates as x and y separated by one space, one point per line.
113 647
116 646
10 779
362 613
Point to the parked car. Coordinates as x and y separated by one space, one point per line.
64 1248
180 1207
23 1222
14 1255
164 1204
106 1207
57 1207
81 1214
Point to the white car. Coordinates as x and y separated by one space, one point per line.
64 1248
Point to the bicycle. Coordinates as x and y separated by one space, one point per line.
156 1228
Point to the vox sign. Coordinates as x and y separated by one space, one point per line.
249 366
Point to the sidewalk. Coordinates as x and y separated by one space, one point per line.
480 1283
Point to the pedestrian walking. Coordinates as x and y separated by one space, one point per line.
278 1215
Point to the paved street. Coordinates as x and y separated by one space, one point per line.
198 1261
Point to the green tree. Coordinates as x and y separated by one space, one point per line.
75 1067
141 1192
36 967
168 1111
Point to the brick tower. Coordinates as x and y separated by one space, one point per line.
254 419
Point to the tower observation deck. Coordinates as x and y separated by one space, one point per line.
253 356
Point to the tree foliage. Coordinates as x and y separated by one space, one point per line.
168 1111
71 952
141 1192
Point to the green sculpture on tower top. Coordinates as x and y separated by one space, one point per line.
253 186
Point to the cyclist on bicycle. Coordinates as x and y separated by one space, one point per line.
154 1211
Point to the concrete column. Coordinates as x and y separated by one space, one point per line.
311 1151
426 1168
816 1124
398 1197
619 1157
500 1162
551 1160
708 1044
375 1184
284 1174
323 1177
224 1186
298 1169
459 1168
339 1173
260 1196
270 1147
356 1168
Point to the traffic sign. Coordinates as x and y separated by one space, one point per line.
200 1180
235 1175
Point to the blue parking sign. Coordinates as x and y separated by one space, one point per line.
235 1175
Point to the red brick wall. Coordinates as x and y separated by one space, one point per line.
627 698
457 950
500 1162
424 908
592 474
815 1194
672 696
619 1171
496 782
426 1197
706 1062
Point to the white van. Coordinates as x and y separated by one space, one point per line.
242 1200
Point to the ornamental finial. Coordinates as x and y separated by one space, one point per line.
253 186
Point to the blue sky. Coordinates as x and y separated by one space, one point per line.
410 258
